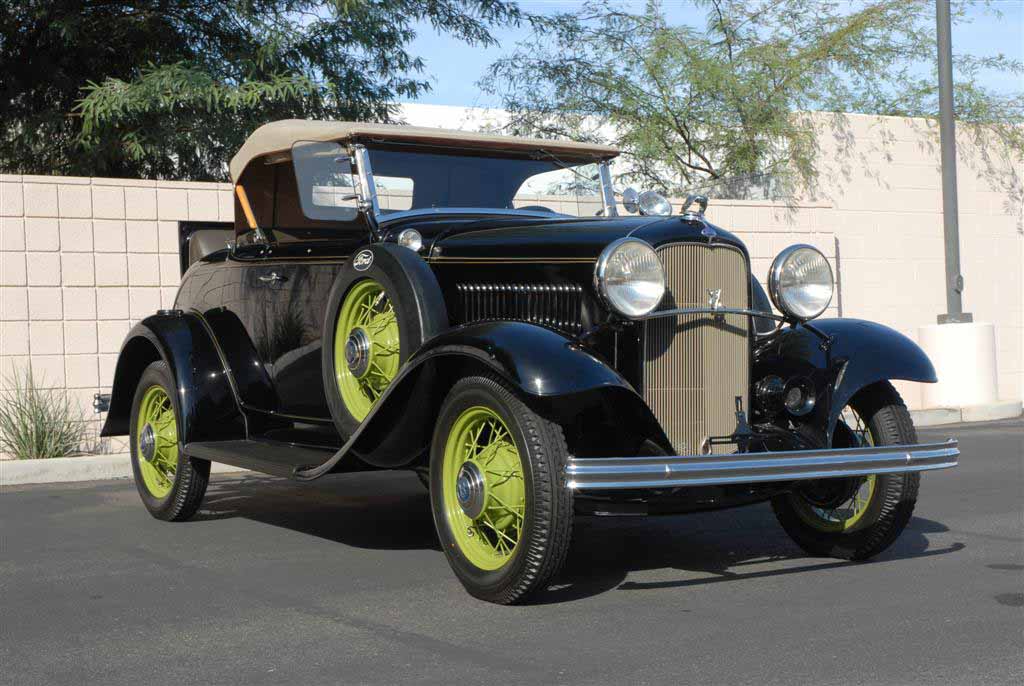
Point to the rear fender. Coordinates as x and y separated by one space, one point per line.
859 353
207 404
599 410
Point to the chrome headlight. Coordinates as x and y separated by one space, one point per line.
629 277
653 204
800 282
410 238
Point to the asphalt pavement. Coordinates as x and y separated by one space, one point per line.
342 581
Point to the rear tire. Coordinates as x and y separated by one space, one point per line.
876 521
170 483
485 430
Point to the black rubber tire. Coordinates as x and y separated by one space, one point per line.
887 418
547 527
191 476
413 289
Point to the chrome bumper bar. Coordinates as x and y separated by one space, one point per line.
604 473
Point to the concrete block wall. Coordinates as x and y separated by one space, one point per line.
883 177
82 260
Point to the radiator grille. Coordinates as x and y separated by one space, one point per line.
558 306
695 366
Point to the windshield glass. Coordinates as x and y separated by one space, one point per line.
414 180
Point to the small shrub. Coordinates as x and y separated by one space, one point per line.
39 423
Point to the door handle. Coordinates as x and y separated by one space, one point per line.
272 277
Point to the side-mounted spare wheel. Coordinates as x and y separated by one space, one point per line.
170 483
385 302
497 489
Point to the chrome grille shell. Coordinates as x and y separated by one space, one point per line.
696 366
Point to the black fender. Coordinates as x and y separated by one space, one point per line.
209 410
555 375
856 354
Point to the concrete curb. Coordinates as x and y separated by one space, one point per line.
1004 409
68 469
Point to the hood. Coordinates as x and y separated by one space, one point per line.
568 238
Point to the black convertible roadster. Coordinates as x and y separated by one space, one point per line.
388 300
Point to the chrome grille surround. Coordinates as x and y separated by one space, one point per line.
559 306
696 366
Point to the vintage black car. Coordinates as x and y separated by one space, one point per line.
529 365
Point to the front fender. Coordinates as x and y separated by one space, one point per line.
858 354
206 402
553 374
538 361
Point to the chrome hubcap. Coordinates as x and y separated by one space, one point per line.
357 352
147 442
469 490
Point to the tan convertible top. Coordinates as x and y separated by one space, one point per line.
279 136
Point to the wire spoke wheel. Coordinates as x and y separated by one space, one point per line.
840 505
367 347
483 487
157 441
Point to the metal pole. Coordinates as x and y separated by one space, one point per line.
947 136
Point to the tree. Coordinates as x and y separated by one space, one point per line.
728 106
170 88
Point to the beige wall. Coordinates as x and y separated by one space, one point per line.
82 259
883 178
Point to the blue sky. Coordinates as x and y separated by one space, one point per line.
454 68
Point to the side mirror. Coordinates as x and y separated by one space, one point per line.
631 200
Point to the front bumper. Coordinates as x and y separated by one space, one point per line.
609 473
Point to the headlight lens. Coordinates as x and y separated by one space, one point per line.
629 277
410 238
653 204
800 282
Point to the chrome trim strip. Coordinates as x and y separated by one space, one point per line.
680 311
607 189
607 473
367 188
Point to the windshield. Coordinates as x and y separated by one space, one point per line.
422 180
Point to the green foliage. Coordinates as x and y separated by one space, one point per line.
726 106
170 88
39 423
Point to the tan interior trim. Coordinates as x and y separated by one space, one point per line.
243 200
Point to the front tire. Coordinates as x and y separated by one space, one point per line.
856 519
497 489
170 483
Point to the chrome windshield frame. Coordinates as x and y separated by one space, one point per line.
467 211
370 203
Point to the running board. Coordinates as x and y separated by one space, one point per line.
604 473
270 457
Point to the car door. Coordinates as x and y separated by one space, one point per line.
286 324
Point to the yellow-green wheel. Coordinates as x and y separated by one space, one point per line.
157 441
170 484
849 510
484 490
367 346
497 491
855 518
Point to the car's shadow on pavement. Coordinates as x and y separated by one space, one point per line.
727 546
391 511
381 511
